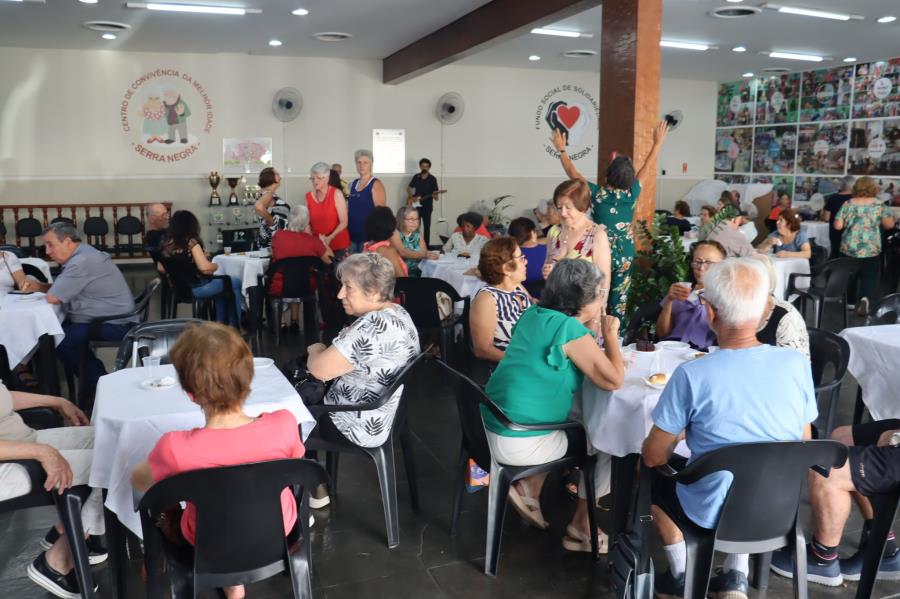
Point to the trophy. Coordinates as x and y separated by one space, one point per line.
214 180
233 183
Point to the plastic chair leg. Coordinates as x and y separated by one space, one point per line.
387 479
497 492
301 579
800 582
409 464
761 575
700 552
68 506
587 470
860 407
884 508
446 333
459 490
331 466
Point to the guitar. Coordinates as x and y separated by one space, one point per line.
411 201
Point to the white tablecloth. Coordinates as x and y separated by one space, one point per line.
819 230
451 269
786 266
40 264
245 267
874 360
129 420
619 421
23 319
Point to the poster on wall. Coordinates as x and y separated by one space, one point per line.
815 189
736 102
877 90
875 148
733 150
781 184
822 149
778 100
890 191
246 154
825 94
774 149
733 179
389 150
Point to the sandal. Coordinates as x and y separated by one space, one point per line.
576 540
528 507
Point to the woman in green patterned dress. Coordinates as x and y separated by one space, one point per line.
408 241
613 207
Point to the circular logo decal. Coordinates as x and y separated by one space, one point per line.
574 112
882 88
820 147
735 104
877 148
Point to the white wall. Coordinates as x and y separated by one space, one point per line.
61 140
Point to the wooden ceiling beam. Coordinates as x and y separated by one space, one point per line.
485 26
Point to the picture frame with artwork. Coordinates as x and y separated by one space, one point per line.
875 147
778 100
825 94
736 103
876 90
734 150
822 148
775 149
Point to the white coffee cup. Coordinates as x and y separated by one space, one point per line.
227 250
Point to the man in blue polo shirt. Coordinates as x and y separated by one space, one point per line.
745 392
89 286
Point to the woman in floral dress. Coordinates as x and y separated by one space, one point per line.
613 207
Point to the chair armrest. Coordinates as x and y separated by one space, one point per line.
35 472
517 426
95 323
41 418
667 471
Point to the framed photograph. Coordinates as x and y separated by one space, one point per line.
774 149
778 100
733 179
245 155
815 189
875 148
890 191
781 184
736 103
733 150
877 90
825 95
822 148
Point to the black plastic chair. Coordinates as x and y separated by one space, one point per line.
383 456
646 314
886 312
251 547
419 297
129 226
62 219
828 286
68 507
153 338
183 275
12 249
535 287
95 230
30 270
884 507
30 228
295 284
830 352
470 398
753 518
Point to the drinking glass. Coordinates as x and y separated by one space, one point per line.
151 363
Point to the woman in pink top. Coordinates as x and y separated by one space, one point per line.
215 367
380 226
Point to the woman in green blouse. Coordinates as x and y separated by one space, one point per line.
552 349
408 241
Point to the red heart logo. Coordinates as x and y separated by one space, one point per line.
568 115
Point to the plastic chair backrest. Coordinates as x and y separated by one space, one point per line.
295 275
817 259
95 226
419 297
247 497
129 225
29 227
12 249
30 270
153 339
63 219
764 496
836 274
183 275
829 354
886 312
469 399
645 313
142 301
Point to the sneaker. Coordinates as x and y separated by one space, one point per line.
819 572
728 585
61 585
322 500
863 308
667 586
97 553
851 307
851 567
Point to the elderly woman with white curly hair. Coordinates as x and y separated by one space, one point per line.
327 211
781 324
366 192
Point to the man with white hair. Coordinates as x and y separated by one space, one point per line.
157 224
718 401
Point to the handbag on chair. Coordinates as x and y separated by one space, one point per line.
312 390
631 569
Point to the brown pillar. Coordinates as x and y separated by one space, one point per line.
629 87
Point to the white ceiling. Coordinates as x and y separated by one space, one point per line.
380 27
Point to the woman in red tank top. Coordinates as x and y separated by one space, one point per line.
327 211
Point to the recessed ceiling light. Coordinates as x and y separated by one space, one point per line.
534 57
811 12
556 32
683 45
747 75
300 12
107 36
887 19
193 8
734 1
88 1
795 56
850 59
274 43
739 49
331 36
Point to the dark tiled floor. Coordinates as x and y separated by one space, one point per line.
350 556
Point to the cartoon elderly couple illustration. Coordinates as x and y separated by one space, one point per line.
165 116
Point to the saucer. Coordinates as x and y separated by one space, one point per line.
263 362
157 384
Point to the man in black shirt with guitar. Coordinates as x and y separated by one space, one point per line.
423 190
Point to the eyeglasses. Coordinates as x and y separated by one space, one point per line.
519 257
703 264
411 218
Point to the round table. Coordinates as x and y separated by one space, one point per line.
24 319
451 269
874 356
785 267
819 230
129 419
247 267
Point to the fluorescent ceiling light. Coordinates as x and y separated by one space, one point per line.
850 59
812 12
739 49
534 57
887 19
88 1
193 8
300 12
557 32
108 36
794 56
747 75
734 1
683 45
274 43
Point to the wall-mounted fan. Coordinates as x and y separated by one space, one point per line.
450 108
674 119
287 104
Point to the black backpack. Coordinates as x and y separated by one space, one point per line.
631 569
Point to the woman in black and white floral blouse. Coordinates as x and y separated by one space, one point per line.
367 356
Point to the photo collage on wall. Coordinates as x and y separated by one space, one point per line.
803 132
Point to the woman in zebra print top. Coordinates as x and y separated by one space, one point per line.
498 306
